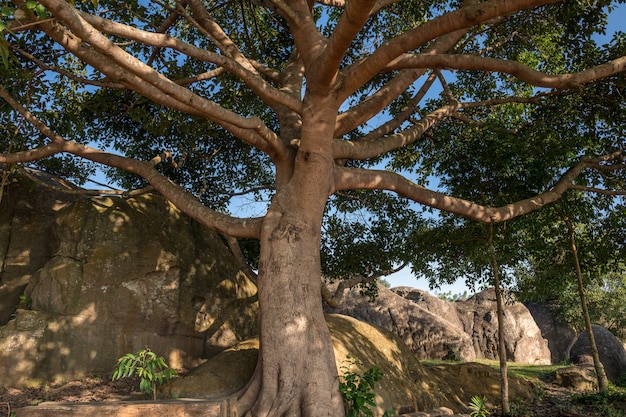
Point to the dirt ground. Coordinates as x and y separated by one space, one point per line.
554 402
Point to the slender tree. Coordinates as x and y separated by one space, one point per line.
603 384
504 379
561 250
302 105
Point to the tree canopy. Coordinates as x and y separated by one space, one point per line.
336 115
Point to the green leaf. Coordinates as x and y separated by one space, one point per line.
145 386
7 11
41 11
30 5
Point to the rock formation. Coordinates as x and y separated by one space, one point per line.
523 339
429 334
437 329
86 280
610 350
577 378
560 336
406 385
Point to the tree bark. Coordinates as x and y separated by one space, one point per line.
603 383
296 363
296 374
504 379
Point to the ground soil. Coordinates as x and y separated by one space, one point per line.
555 401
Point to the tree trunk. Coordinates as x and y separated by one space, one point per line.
603 383
504 379
296 374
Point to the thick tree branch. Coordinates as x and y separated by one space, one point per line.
354 17
343 149
247 73
177 195
374 104
123 67
404 115
353 178
226 45
373 142
359 73
514 68
309 42
88 34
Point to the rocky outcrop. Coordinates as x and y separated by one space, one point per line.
27 213
435 333
85 280
577 378
610 350
406 385
559 335
462 330
523 340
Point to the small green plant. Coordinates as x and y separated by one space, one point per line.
357 390
150 368
478 407
518 410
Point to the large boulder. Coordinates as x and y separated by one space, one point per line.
524 342
95 278
436 334
27 214
610 350
438 329
406 385
559 335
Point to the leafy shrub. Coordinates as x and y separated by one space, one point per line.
600 398
603 401
357 390
151 370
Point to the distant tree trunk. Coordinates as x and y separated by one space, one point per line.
603 383
504 380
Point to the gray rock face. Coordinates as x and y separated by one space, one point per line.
610 350
100 277
437 329
523 340
429 334
560 336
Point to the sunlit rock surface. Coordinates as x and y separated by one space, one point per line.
463 330
88 279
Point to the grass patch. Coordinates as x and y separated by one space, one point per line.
435 362
523 370
520 370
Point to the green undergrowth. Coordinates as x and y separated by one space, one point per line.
526 371
607 404
519 370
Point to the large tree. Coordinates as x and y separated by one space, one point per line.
302 103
